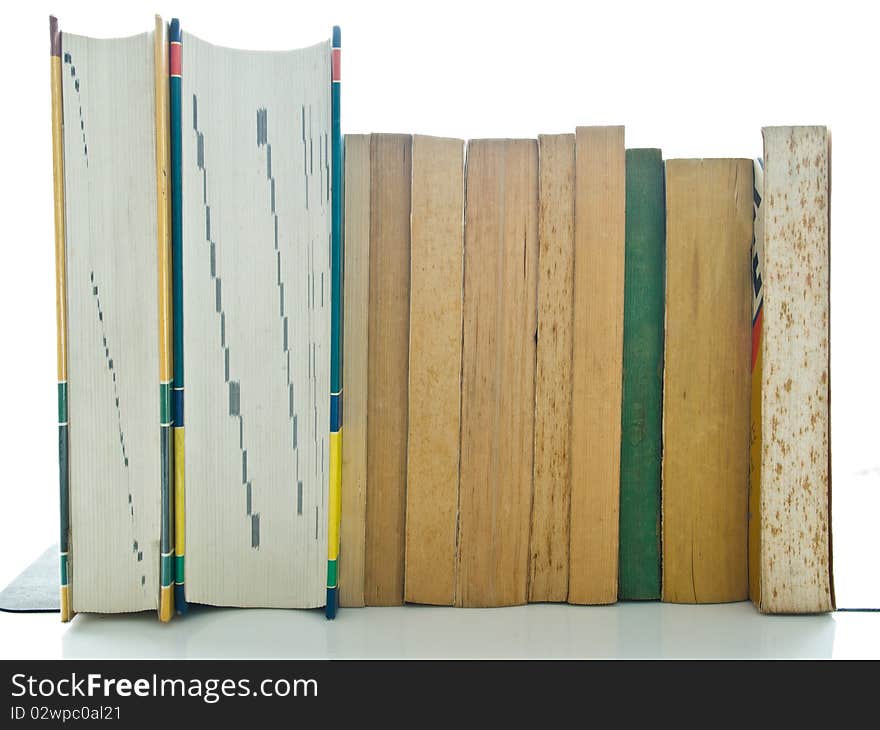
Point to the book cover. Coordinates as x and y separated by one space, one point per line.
597 360
498 372
354 369
706 380
549 536
641 421
388 358
434 422
791 546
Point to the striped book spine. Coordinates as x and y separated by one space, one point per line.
163 224
60 313
335 331
175 69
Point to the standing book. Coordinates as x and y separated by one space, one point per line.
387 363
706 380
597 362
354 363
257 172
549 536
113 295
434 422
498 372
641 421
790 526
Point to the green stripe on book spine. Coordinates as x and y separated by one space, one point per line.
331 573
641 420
165 404
62 402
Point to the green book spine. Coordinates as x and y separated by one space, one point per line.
641 419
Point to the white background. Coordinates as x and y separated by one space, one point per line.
698 79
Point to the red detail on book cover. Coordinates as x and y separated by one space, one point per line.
174 59
335 64
756 335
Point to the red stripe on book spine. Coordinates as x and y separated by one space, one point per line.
174 59
335 65
756 336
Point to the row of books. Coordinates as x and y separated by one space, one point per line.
545 346
580 373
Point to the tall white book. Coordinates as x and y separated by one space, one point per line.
113 269
256 223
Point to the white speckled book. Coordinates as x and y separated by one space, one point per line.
790 501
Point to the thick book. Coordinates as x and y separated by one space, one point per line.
256 225
112 243
597 361
198 224
498 372
706 380
790 526
434 422
641 421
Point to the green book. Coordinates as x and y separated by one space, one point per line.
641 420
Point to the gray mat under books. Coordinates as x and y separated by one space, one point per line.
36 589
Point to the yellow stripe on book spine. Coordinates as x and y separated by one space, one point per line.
66 613
60 253
335 494
179 523
166 603
163 209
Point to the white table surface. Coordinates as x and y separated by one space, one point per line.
628 630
